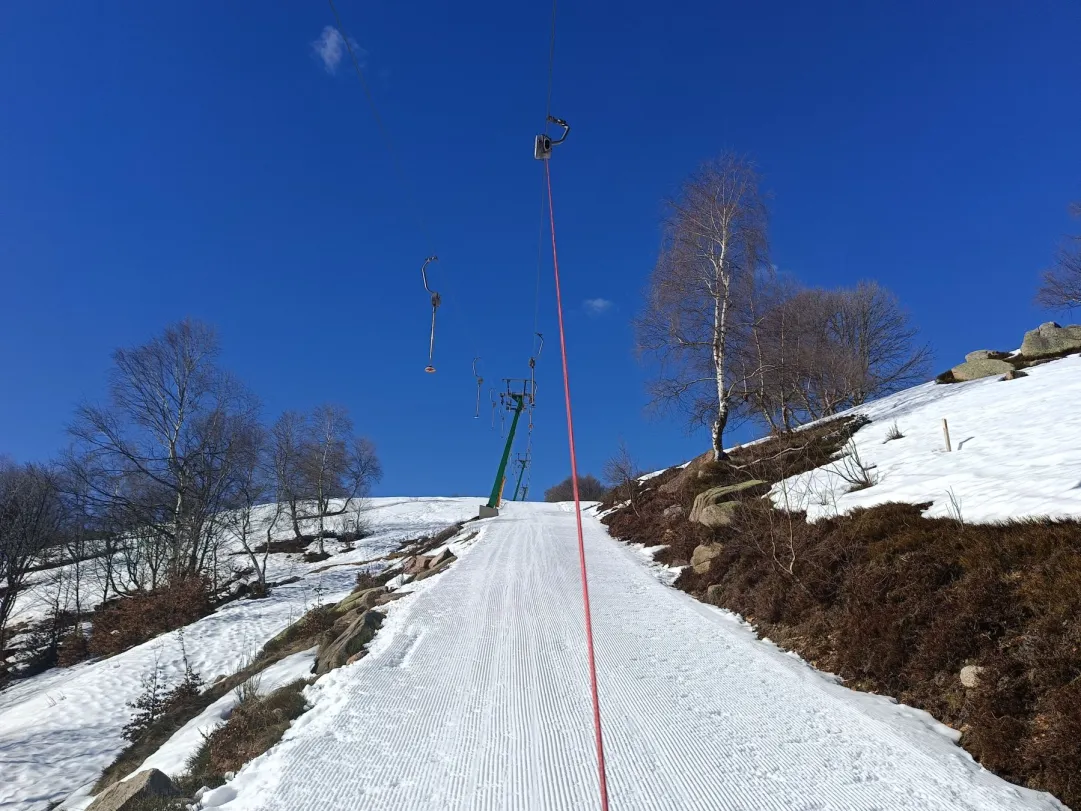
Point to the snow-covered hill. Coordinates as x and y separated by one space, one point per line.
1016 450
60 729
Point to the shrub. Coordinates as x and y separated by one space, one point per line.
589 489
255 725
129 621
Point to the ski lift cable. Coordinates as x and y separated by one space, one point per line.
543 152
388 141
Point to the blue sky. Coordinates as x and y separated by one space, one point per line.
164 160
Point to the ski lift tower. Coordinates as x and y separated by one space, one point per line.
517 395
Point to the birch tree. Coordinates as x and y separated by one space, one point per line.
158 456
715 236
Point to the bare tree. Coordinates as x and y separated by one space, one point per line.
715 235
287 448
255 487
1061 287
30 520
158 458
621 473
810 353
317 460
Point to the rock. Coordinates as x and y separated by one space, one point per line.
979 354
415 564
444 557
675 511
1051 339
388 598
134 791
342 643
703 555
362 599
975 369
713 594
718 515
1013 374
440 562
714 496
680 479
970 675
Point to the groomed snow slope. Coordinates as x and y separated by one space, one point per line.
475 696
1016 450
59 730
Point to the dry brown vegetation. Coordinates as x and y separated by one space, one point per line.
897 603
129 621
257 723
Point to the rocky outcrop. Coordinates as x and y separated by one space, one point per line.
673 512
344 642
422 566
703 556
437 563
362 599
980 367
688 473
135 792
714 507
979 354
1050 339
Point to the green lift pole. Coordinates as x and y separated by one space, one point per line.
493 501
518 486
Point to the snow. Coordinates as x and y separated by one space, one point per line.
1016 451
59 730
475 695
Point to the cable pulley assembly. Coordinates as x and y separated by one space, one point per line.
480 382
542 147
436 301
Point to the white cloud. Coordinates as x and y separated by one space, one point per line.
597 306
330 48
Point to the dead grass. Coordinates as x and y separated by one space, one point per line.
254 726
129 621
301 635
897 603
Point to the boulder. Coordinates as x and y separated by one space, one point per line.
415 564
717 515
703 556
691 471
437 564
979 354
713 594
716 495
362 599
1013 374
444 557
134 791
341 643
1051 339
675 511
970 675
975 369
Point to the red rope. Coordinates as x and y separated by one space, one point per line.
578 509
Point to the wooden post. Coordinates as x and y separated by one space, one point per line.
946 433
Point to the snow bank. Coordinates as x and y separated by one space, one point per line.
1016 451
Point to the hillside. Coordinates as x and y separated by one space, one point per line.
945 578
474 692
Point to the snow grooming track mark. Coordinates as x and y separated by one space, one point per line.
699 714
